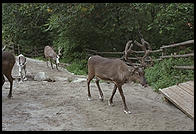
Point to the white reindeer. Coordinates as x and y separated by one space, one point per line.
22 61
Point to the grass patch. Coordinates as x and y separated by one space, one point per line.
40 58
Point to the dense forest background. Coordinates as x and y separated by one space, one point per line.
98 26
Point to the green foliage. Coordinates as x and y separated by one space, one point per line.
163 75
102 27
40 58
78 67
98 26
171 23
23 24
108 26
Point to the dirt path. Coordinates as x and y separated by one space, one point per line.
63 105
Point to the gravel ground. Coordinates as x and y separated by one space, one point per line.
63 106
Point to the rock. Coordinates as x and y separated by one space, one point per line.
41 76
61 78
79 80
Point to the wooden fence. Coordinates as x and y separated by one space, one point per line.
162 50
39 52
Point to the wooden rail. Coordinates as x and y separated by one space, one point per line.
178 56
184 67
162 50
178 44
153 51
137 52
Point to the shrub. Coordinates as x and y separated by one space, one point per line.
163 75
78 67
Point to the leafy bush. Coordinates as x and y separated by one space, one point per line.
23 25
108 26
78 67
163 75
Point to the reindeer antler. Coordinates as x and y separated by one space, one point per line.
59 51
128 49
144 47
146 44
4 48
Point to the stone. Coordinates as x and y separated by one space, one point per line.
41 76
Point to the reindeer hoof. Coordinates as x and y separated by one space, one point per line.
101 98
9 96
127 112
110 103
21 81
89 99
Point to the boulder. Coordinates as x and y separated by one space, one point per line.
41 76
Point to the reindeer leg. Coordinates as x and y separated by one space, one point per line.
10 79
47 62
51 63
25 73
126 110
3 80
110 102
100 92
20 74
90 77
57 67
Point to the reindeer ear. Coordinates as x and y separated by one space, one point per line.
136 67
131 70
17 63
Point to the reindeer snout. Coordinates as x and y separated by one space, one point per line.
144 83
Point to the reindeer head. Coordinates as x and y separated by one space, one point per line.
137 75
58 56
57 59
59 51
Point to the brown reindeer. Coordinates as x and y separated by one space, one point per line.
8 61
114 70
51 55
117 71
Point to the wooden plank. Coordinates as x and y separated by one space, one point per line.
181 98
189 90
180 104
188 85
183 95
191 83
